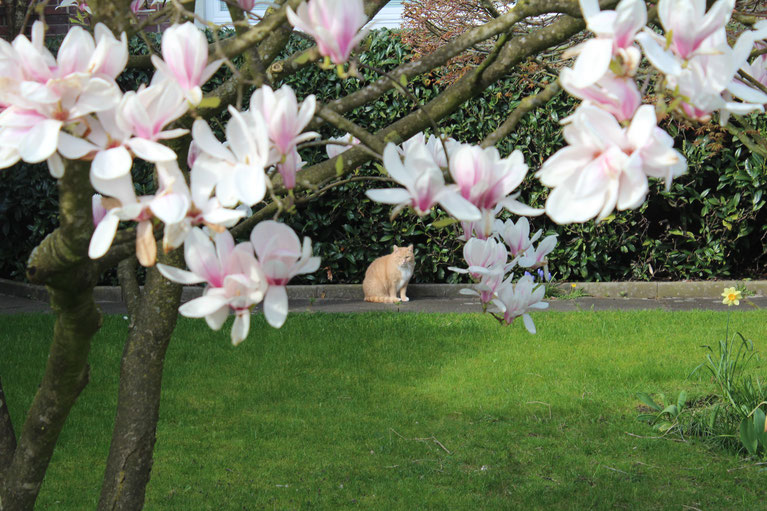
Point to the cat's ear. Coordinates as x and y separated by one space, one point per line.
410 247
395 248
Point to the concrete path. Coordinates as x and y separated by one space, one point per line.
10 304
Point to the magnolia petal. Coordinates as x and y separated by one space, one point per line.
518 208
593 62
389 195
205 305
240 327
170 208
217 319
207 141
112 163
528 321
664 61
458 207
276 306
56 166
103 236
40 142
74 148
178 275
146 245
151 151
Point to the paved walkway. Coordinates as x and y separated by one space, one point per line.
15 305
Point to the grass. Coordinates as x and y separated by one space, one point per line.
405 411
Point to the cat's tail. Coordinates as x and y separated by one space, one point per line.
381 299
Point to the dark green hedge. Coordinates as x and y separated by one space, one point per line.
711 224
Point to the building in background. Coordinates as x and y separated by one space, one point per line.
216 11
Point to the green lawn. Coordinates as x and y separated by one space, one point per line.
405 411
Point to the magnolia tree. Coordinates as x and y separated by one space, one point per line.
67 110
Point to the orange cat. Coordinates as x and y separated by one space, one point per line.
389 275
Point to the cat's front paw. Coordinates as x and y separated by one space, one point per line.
405 299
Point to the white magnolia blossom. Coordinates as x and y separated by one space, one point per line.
424 185
515 300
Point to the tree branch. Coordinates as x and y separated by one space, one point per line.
516 115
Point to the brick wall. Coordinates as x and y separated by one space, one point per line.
57 20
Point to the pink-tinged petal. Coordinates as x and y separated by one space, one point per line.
633 187
458 207
75 52
41 141
74 148
112 163
98 95
223 216
276 306
203 306
217 319
200 256
224 245
389 195
151 151
103 236
56 166
240 327
178 275
593 61
268 236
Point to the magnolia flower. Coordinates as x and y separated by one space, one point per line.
482 256
615 31
282 257
485 180
424 185
236 169
99 211
170 205
514 301
234 277
334 24
605 166
688 25
537 258
487 286
246 5
617 95
290 164
334 150
137 125
45 93
284 120
434 145
516 235
185 54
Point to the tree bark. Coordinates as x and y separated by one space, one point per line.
61 262
7 435
130 456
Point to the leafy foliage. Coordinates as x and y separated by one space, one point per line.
711 223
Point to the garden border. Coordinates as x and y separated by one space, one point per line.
651 290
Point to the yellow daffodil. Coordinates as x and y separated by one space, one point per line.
731 296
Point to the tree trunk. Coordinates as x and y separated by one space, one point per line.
130 456
61 262
7 435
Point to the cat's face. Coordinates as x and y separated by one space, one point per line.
403 254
